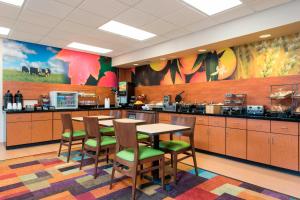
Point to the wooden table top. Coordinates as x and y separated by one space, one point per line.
161 128
124 120
100 117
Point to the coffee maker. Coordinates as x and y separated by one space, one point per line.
8 100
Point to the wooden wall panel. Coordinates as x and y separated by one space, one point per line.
32 90
257 89
125 75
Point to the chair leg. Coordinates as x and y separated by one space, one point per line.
134 180
175 168
96 164
107 155
69 150
112 175
60 145
195 161
162 169
141 174
82 157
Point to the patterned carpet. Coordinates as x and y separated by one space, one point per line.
48 177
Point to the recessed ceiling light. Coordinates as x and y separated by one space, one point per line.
89 48
135 64
126 30
265 36
202 50
4 30
13 2
212 7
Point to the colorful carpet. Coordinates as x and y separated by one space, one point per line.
49 177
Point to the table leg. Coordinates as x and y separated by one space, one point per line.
155 173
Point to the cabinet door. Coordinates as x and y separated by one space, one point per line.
290 128
216 121
216 139
57 129
41 131
18 133
284 151
201 137
104 112
258 147
94 112
236 143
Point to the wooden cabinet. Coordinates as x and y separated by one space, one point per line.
164 117
41 116
289 128
216 142
18 133
94 112
104 112
216 121
284 151
41 131
202 120
258 125
258 147
57 129
236 142
57 115
236 123
20 117
201 137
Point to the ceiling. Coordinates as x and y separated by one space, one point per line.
59 22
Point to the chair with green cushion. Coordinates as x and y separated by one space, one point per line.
95 143
69 135
131 155
149 119
109 131
175 147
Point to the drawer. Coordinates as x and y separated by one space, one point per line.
80 114
41 116
57 115
203 120
258 125
289 128
94 113
236 123
164 117
216 121
22 117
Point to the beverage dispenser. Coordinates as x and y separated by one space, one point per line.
126 91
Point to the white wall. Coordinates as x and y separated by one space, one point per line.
270 18
2 124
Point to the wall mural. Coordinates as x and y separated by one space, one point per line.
28 62
274 57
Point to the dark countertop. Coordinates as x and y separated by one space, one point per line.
264 117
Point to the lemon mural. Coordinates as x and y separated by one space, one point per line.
268 58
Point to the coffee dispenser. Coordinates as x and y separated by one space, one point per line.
18 99
8 100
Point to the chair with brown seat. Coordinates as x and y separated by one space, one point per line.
175 147
149 119
131 155
95 143
109 131
69 135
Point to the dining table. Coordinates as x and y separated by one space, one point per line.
100 117
109 123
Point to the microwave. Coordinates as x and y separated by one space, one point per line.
64 99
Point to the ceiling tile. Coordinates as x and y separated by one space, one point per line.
200 25
54 42
23 26
73 3
130 2
49 7
38 18
231 14
259 5
24 36
184 17
9 11
72 27
159 27
7 22
106 8
176 33
86 18
159 8
135 17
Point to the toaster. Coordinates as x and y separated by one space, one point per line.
255 110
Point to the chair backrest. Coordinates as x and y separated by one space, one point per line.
117 114
126 135
66 120
91 127
185 121
149 118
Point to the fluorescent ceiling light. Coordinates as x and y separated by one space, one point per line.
4 30
126 30
89 48
135 64
265 36
211 7
13 2
201 50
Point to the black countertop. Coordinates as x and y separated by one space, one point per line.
264 117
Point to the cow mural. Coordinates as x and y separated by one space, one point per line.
25 69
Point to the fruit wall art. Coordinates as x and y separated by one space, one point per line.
28 62
268 58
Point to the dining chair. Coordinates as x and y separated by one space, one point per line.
175 147
130 154
95 143
109 131
149 119
69 135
